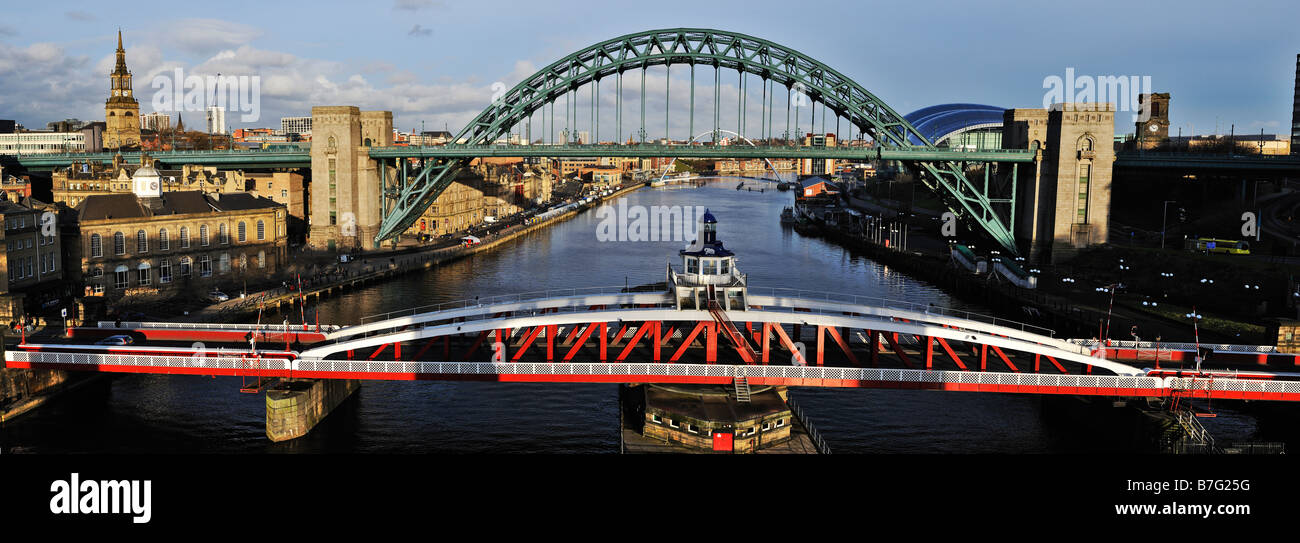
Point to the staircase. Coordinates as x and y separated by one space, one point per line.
742 386
732 333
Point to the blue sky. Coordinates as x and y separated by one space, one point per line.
435 61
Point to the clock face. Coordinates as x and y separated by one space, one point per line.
1153 128
153 185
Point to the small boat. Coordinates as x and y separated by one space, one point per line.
742 183
787 216
783 186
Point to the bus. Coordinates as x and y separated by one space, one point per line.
1222 246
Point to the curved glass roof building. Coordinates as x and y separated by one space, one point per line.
970 126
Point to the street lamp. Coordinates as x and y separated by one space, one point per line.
1196 332
1163 216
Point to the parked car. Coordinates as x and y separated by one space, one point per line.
116 340
217 295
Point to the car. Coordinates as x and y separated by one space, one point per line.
116 340
219 296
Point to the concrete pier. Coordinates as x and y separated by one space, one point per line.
294 407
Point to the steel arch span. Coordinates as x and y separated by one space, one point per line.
719 49
770 167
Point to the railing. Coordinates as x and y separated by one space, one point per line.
214 359
490 305
216 326
1093 344
813 434
873 301
486 302
732 277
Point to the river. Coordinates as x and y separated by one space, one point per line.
153 413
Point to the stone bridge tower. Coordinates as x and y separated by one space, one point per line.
345 199
1063 201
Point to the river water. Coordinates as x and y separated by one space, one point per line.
149 413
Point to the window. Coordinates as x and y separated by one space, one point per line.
205 266
143 276
241 232
709 265
164 242
120 278
284 193
186 264
223 235
185 237
261 230
223 264
203 235
692 265
1082 202
141 242
119 243
164 272
261 260
96 246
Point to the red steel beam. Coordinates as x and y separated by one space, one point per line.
686 341
1004 358
948 349
632 343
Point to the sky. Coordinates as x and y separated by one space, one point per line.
434 63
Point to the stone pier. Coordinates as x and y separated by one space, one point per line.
294 407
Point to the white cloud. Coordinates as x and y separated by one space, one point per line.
206 36
415 5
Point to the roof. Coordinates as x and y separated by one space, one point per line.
812 181
111 206
944 120
127 205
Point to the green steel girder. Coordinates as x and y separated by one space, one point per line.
720 49
650 150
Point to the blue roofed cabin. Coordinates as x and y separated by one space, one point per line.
708 272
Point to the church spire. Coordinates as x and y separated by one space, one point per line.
121 56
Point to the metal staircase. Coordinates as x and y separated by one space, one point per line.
742 386
732 333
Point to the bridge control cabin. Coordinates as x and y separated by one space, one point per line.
709 272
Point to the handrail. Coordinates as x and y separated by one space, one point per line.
761 291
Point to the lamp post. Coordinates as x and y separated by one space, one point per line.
1196 334
1164 215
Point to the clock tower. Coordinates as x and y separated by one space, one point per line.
1155 129
122 110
